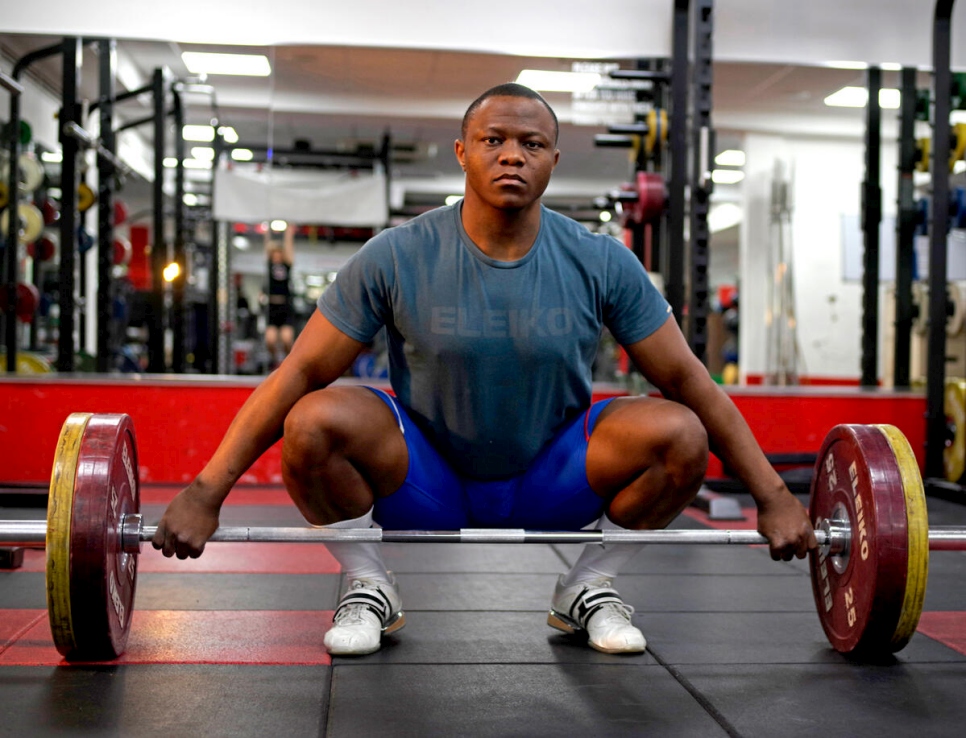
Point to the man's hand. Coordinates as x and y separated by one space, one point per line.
186 525
784 521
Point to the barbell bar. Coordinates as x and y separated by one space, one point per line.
867 505
834 537
33 534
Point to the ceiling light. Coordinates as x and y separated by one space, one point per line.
52 157
169 162
242 154
724 216
279 225
857 97
205 134
727 176
959 167
730 158
846 65
245 65
196 164
605 216
203 153
546 81
229 134
453 199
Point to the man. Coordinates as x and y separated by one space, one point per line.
494 309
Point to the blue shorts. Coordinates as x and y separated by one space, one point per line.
553 494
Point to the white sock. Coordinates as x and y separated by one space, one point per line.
359 560
601 559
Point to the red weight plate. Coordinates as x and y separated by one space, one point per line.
102 576
651 197
859 596
50 211
120 212
28 297
122 251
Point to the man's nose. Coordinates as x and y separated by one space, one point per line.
511 153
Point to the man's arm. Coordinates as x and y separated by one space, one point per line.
666 360
288 244
320 356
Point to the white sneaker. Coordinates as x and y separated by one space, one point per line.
598 609
367 610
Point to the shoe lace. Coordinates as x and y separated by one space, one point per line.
355 614
352 615
612 611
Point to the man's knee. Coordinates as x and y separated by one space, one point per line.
312 423
687 457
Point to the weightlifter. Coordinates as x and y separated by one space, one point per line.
494 309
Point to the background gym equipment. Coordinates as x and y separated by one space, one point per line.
867 504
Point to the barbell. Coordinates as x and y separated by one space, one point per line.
867 505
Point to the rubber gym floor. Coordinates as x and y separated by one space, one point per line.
231 645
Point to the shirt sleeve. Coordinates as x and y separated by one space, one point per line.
359 302
633 306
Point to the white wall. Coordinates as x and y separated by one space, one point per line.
827 176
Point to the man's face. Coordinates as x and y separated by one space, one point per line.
508 153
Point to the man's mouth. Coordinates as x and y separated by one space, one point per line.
510 178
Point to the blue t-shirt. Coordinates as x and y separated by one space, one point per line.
490 357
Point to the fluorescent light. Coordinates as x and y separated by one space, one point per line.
245 65
242 154
723 216
890 98
605 216
858 97
730 158
279 225
727 176
846 65
229 134
196 164
169 162
52 157
203 153
891 67
546 81
453 199
205 134
190 198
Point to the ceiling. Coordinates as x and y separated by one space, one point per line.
333 95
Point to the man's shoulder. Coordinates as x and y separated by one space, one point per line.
568 232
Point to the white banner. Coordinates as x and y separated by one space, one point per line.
352 200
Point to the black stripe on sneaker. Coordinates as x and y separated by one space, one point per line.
590 601
380 606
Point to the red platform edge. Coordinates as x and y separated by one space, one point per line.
180 423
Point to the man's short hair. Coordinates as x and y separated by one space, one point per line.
509 89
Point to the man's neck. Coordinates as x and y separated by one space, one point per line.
504 235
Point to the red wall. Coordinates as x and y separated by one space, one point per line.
179 422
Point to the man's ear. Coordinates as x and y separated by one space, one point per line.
460 150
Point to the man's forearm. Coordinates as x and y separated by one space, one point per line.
731 440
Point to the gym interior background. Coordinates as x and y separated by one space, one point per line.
355 107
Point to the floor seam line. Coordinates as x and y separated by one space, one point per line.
698 696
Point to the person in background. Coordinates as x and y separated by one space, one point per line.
279 328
